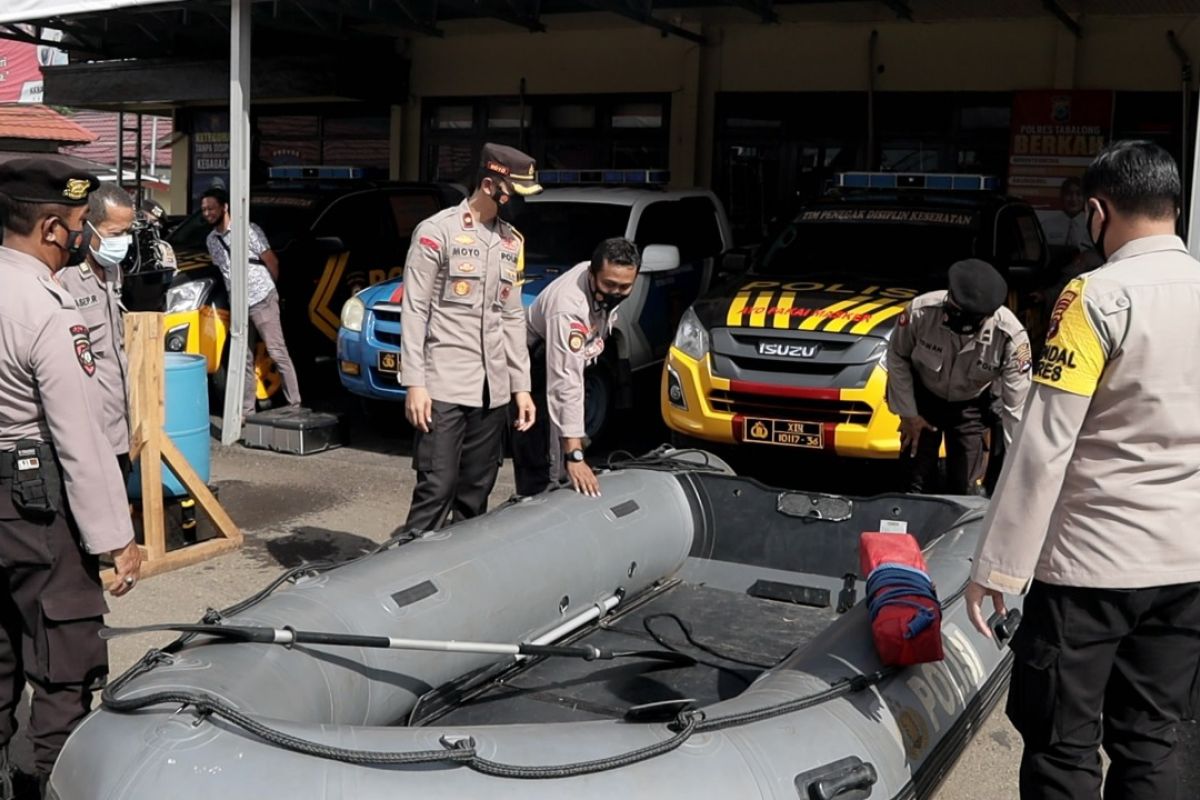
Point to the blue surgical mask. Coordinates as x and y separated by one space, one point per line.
112 250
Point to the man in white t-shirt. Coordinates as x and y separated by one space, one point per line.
263 269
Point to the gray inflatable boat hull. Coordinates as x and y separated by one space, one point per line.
511 576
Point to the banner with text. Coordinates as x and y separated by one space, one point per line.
210 153
1055 135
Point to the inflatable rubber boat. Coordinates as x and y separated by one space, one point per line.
690 634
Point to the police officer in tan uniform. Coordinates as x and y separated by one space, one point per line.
568 323
463 353
96 286
1099 501
949 348
62 501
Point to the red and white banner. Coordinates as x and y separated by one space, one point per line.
21 67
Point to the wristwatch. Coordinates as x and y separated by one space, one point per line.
574 455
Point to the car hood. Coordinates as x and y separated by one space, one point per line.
818 302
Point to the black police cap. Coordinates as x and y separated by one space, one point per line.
44 180
508 162
976 287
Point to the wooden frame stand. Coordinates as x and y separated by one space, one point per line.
150 444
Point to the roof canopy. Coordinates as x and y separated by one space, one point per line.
188 28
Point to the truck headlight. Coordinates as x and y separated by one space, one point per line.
352 314
188 296
691 337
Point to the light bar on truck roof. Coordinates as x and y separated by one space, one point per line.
604 177
916 180
317 173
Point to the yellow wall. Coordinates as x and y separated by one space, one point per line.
599 53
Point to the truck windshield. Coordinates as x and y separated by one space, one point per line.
887 244
564 233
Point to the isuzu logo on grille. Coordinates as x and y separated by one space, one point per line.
784 350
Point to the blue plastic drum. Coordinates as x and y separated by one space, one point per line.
186 399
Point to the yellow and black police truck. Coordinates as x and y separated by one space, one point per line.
790 352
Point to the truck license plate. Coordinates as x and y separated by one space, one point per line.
785 432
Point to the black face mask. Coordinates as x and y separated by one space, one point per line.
77 244
511 208
1099 241
606 301
961 322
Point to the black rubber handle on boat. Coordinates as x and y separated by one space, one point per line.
586 653
862 776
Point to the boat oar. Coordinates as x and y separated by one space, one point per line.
289 636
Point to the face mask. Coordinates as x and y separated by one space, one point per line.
510 209
113 249
606 301
961 322
76 246
1099 240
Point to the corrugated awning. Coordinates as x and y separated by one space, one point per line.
26 10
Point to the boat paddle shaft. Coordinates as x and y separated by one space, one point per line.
289 636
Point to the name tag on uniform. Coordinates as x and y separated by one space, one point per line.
24 464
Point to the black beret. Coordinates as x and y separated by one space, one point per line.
44 180
519 168
976 287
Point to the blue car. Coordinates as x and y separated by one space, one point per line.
368 343
681 234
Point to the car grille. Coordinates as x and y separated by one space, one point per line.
807 409
385 326
774 366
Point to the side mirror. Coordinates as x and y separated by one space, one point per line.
735 262
329 244
660 258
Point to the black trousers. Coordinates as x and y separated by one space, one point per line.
51 611
963 427
1111 668
531 448
456 463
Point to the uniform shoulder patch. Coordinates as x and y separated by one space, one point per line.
1023 357
83 349
576 336
1074 357
1060 309
429 244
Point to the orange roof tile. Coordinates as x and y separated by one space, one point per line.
25 121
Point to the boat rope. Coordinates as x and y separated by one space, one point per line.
462 751
660 461
662 641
